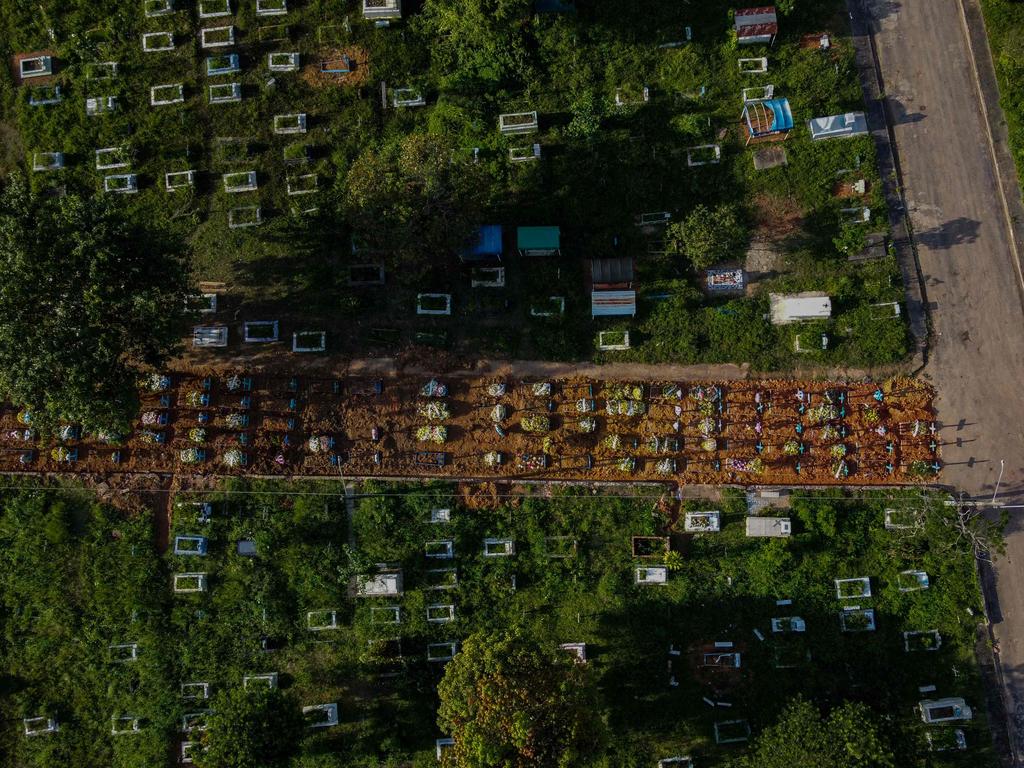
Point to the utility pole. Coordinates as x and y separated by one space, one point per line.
1002 465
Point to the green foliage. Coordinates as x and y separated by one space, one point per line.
850 737
707 236
89 301
509 703
250 728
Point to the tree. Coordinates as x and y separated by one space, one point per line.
848 738
250 728
707 236
89 300
414 200
510 703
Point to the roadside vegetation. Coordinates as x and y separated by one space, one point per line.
78 578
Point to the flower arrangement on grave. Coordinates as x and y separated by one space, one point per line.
158 382
705 408
625 407
319 444
627 464
612 442
837 451
671 390
791 448
492 458
67 432
706 427
109 436
60 453
709 445
839 469
587 424
532 461
233 457
536 422
234 421
150 417
700 522
499 413
233 383
819 414
584 405
547 445
871 416
433 388
189 456
197 435
665 467
21 434
496 389
754 467
148 437
673 561
432 433
435 410
623 391
542 389
25 417
194 399
829 433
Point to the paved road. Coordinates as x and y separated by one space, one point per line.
971 271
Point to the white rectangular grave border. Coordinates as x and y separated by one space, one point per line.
499 547
154 8
518 122
386 614
407 97
99 105
124 724
121 183
447 308
240 181
282 62
217 37
162 95
612 341
440 516
212 9
111 158
306 184
195 691
288 124
154 42
321 620
556 306
441 549
917 581
910 637
527 154
440 613
755 66
703 522
225 93
101 70
210 336
190 546
189 583
271 7
47 161
118 650
446 578
843 593
175 180
318 339
328 715
35 66
269 679
487 277
441 651
38 726
222 64
708 154
757 93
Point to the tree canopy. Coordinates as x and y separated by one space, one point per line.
250 728
89 300
511 703
848 738
708 235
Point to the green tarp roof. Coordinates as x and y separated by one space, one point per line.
538 238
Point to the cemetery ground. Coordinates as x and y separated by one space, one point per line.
93 629
620 99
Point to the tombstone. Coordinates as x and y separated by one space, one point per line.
121 183
195 691
35 66
240 181
384 584
321 715
217 37
322 620
657 574
407 97
288 124
154 42
382 9
122 725
271 7
440 516
100 105
225 93
212 9
853 589
259 331
309 341
305 184
944 710
222 64
210 336
190 546
45 96
703 522
153 8
518 122
189 583
38 726
266 679
245 548
388 614
47 161
161 95
440 613
443 549
176 180
499 547
527 154
282 62
433 304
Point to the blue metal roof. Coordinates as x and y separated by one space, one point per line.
488 243
782 116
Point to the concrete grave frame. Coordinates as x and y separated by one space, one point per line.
499 547
240 181
555 308
440 516
47 161
121 183
703 154
518 122
612 341
755 66
527 154
195 721
896 519
306 184
441 651
100 105
290 124
211 303
441 579
731 731
190 546
217 37
39 726
199 691
282 62
210 336
912 581
850 619
421 310
162 95
269 679
757 93
212 9
441 549
111 158
853 589
386 614
386 583
101 70
321 620
45 96
703 522
910 640
222 64
224 93
407 97
154 8
189 583
253 331
123 653
487 277
271 7
440 613
175 180
382 9
122 725
328 715
442 745
309 341
35 66
155 42
651 574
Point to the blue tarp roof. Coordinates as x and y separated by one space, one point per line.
783 117
769 116
488 243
